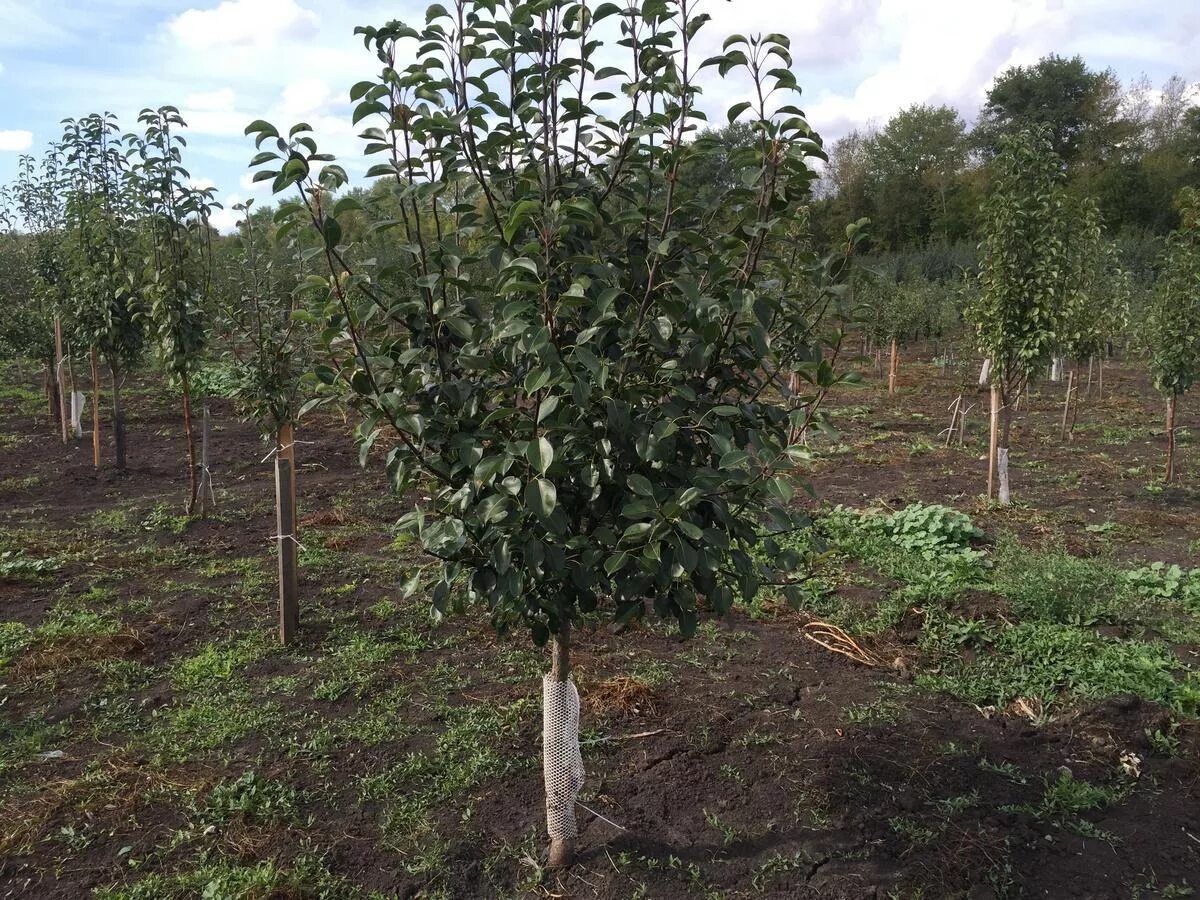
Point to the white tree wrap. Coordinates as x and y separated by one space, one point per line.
562 763
1002 469
78 404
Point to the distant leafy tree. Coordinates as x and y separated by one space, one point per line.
580 375
1023 270
1081 108
1175 319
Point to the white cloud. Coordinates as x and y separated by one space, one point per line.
15 141
244 22
217 101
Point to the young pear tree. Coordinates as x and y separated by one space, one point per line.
271 352
37 197
102 262
1023 269
179 258
569 357
1094 298
1175 316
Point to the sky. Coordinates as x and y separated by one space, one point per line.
227 62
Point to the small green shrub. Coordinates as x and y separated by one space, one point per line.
1159 581
931 529
16 565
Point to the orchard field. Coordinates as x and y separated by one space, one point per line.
1026 728
562 473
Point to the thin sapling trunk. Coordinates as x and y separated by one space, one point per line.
893 368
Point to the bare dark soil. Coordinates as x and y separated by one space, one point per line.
390 757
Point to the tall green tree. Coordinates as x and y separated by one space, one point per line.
579 375
1080 108
1023 270
1175 319
917 158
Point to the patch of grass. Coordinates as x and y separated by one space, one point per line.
249 797
1054 586
14 638
219 663
882 711
1048 661
161 518
221 878
464 755
352 667
1064 799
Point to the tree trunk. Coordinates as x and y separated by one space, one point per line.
562 765
1100 385
118 418
208 497
52 407
285 522
191 444
1062 432
993 441
1002 447
1091 367
58 376
95 410
893 368
1171 402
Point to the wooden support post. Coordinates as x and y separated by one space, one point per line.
893 367
285 508
1171 437
95 410
993 441
63 415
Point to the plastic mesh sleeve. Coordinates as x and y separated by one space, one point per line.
562 763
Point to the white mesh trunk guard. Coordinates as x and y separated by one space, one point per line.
562 763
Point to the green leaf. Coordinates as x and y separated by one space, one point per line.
541 497
541 455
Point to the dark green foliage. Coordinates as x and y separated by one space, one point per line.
575 354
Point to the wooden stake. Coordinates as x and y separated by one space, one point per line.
285 520
893 368
1171 438
993 441
95 410
58 376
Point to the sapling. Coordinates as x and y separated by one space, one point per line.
1175 316
102 264
569 357
269 354
1022 271
175 217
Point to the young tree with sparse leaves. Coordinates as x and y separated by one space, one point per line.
175 217
574 362
1175 316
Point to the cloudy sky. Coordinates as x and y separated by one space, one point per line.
226 62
